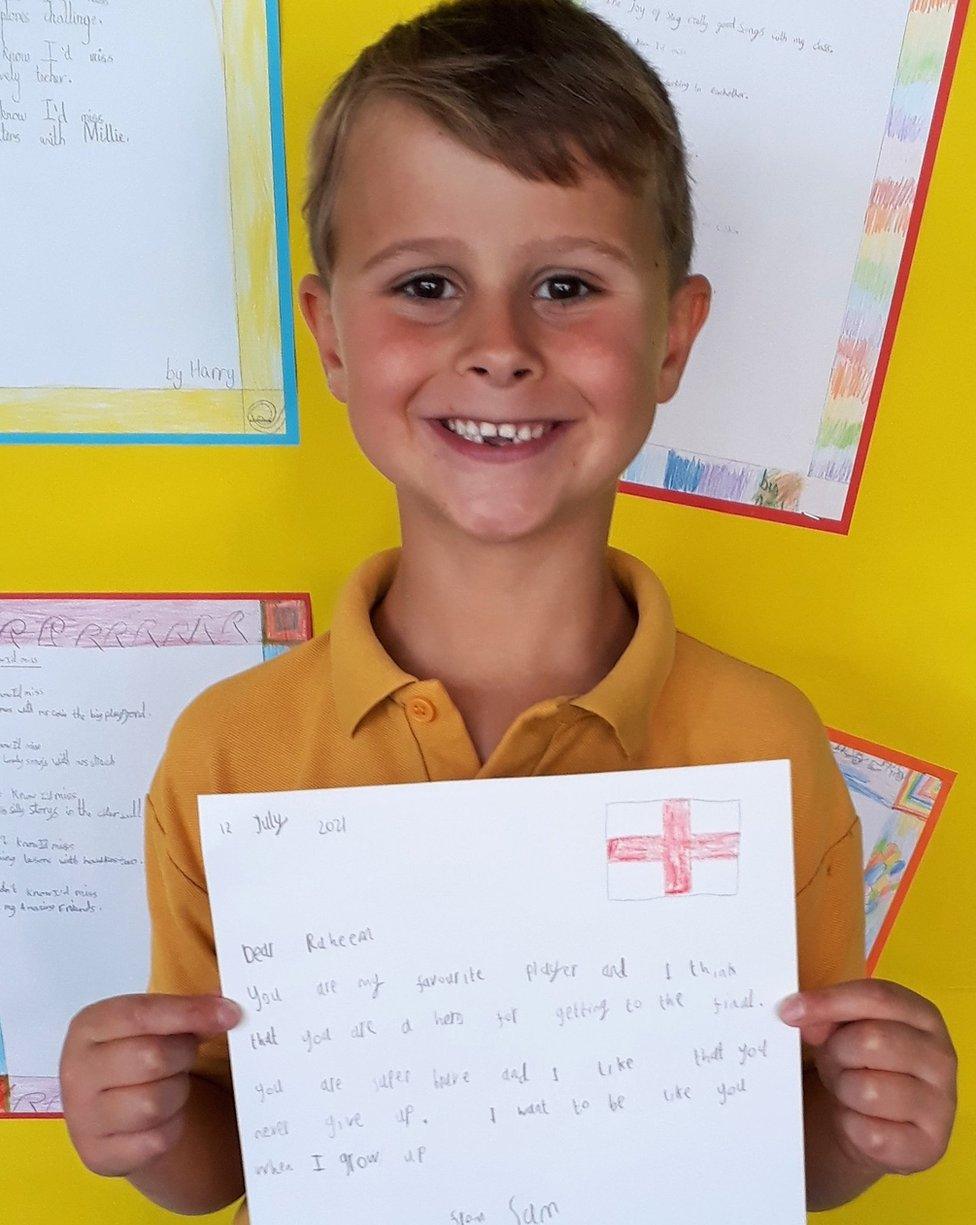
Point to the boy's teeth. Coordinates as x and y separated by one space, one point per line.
480 431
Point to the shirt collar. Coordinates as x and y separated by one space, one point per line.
364 674
629 692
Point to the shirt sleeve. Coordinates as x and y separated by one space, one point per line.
183 959
830 873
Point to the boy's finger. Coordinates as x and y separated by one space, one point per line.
139 1108
890 1046
896 1148
140 1060
127 1016
125 1153
817 1013
890 1095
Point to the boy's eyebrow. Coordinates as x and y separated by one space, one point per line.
562 241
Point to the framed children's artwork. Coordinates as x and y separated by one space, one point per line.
899 799
811 131
89 689
147 284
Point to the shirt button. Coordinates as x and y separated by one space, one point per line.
422 709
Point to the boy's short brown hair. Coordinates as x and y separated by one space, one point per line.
520 82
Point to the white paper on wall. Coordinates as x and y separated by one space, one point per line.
89 690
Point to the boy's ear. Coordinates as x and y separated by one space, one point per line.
316 305
688 310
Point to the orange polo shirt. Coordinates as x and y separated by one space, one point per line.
339 712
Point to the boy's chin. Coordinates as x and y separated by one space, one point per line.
486 521
508 529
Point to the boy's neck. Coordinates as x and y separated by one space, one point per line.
504 626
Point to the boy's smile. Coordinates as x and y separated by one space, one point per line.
498 442
501 343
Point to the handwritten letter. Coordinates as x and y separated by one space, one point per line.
500 1000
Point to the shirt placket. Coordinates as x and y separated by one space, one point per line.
439 732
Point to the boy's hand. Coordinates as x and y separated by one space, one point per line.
885 1056
125 1074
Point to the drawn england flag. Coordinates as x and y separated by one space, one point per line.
659 848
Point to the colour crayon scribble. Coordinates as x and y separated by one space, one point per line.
661 848
690 474
886 868
918 794
886 230
898 800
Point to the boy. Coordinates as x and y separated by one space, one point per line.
500 322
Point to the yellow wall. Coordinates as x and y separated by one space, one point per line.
877 627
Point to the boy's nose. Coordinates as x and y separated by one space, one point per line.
516 374
500 368
499 365
497 346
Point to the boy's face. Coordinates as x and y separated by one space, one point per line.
500 320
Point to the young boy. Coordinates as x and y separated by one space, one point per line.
501 321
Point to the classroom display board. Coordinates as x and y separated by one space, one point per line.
148 297
776 409
89 688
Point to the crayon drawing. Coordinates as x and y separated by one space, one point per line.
666 848
899 800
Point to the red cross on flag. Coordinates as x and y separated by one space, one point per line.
658 848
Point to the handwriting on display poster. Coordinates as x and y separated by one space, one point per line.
528 999
89 689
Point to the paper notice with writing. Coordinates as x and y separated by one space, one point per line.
811 131
89 689
519 999
142 161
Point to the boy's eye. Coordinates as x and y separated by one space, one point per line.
429 282
570 281
425 280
